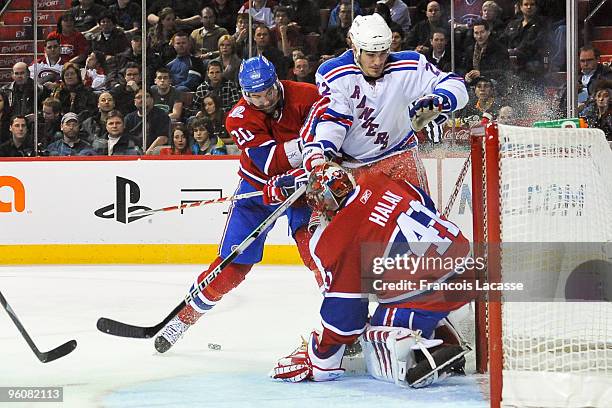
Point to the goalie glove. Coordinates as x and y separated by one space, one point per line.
426 109
278 188
307 362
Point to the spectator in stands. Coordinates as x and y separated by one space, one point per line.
204 141
127 15
285 33
226 12
334 39
94 127
334 15
70 144
21 91
183 9
94 73
211 109
485 105
228 91
302 71
506 116
179 143
186 70
116 141
492 13
418 37
241 34
73 45
592 71
384 11
158 123
124 87
20 144
165 96
73 95
526 40
50 127
304 13
206 39
134 54
439 52
228 58
486 57
400 14
86 15
5 116
263 46
110 40
260 10
397 39
598 112
49 66
160 34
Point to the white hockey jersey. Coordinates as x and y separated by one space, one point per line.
46 71
367 121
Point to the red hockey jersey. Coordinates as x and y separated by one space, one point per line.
260 136
387 220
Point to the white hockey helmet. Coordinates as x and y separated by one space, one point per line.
370 33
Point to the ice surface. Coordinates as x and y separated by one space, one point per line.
256 324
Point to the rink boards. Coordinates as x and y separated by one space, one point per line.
59 211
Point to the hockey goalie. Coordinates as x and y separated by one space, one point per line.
406 340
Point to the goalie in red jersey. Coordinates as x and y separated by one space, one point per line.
381 218
265 125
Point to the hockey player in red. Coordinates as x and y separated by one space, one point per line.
264 124
381 218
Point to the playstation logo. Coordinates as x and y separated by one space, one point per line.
121 209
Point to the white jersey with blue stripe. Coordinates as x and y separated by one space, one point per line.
366 121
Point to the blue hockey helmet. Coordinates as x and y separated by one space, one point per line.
256 74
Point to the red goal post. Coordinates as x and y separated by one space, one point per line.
546 189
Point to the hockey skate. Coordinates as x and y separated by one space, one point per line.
175 329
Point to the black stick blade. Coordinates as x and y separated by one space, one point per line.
57 352
116 328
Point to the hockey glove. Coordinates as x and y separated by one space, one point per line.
280 187
312 155
296 367
426 109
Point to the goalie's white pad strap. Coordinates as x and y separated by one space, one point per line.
388 352
293 152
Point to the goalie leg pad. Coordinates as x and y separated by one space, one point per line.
388 352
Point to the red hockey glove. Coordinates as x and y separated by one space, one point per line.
280 187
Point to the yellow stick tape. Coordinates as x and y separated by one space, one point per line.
132 254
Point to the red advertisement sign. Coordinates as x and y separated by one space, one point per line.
42 4
20 47
7 61
25 17
23 33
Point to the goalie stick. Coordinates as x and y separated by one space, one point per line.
44 357
116 328
198 203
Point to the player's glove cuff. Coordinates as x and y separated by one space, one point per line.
313 155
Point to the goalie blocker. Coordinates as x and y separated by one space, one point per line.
401 350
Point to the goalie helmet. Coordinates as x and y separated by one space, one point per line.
329 185
369 33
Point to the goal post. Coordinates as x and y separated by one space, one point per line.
542 202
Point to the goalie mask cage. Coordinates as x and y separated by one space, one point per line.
542 203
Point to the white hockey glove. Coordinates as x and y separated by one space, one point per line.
280 187
313 155
426 109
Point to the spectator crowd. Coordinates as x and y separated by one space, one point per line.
93 90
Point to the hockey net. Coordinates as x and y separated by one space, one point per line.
542 201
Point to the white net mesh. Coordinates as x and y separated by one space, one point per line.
556 214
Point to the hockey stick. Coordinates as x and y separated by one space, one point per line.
44 357
116 328
458 184
198 203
